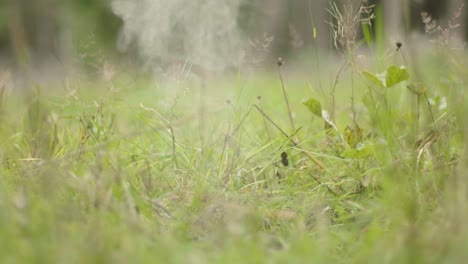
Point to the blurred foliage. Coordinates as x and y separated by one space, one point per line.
95 16
38 25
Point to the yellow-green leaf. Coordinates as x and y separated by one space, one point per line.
417 88
314 106
396 75
361 153
373 78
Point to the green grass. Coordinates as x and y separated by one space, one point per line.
95 175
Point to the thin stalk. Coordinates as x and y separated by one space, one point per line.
285 95
418 113
335 84
294 143
430 109
202 114
173 138
320 183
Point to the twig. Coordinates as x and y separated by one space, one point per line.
242 121
294 143
272 122
326 185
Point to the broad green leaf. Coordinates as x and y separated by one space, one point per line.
396 75
373 78
314 106
392 76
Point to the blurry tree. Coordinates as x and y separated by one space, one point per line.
293 22
30 28
91 17
33 29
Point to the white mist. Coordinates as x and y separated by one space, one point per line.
200 32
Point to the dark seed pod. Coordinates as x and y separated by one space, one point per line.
399 45
284 159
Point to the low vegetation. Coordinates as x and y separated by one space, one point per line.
367 166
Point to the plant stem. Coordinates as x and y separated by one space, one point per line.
285 95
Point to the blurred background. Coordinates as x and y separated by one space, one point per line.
82 32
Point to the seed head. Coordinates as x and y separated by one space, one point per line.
280 62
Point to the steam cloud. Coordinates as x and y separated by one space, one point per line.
204 32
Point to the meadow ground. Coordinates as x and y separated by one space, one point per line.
133 170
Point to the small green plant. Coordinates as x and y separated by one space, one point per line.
126 178
389 78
